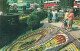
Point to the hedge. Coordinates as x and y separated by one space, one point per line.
33 21
41 14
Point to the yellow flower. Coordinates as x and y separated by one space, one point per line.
75 47
47 45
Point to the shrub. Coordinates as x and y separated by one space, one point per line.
42 14
33 21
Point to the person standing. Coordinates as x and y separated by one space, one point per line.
70 18
64 25
54 12
66 15
49 16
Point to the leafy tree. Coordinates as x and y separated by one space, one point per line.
33 21
4 6
66 3
32 1
41 14
15 1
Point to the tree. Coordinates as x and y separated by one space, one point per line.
33 21
4 7
15 1
32 1
41 14
66 3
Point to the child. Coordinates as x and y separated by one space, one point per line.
64 25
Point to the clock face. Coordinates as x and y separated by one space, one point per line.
27 40
56 41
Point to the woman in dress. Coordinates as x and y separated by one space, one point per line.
54 12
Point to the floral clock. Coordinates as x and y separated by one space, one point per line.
58 40
27 41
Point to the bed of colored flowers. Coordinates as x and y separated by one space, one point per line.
27 41
23 18
59 39
70 47
77 22
51 27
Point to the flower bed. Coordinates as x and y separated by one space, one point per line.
51 27
42 39
27 41
70 47
77 22
23 19
59 39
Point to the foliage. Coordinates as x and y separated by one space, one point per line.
15 1
5 6
23 19
42 14
33 21
9 23
66 3
60 18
